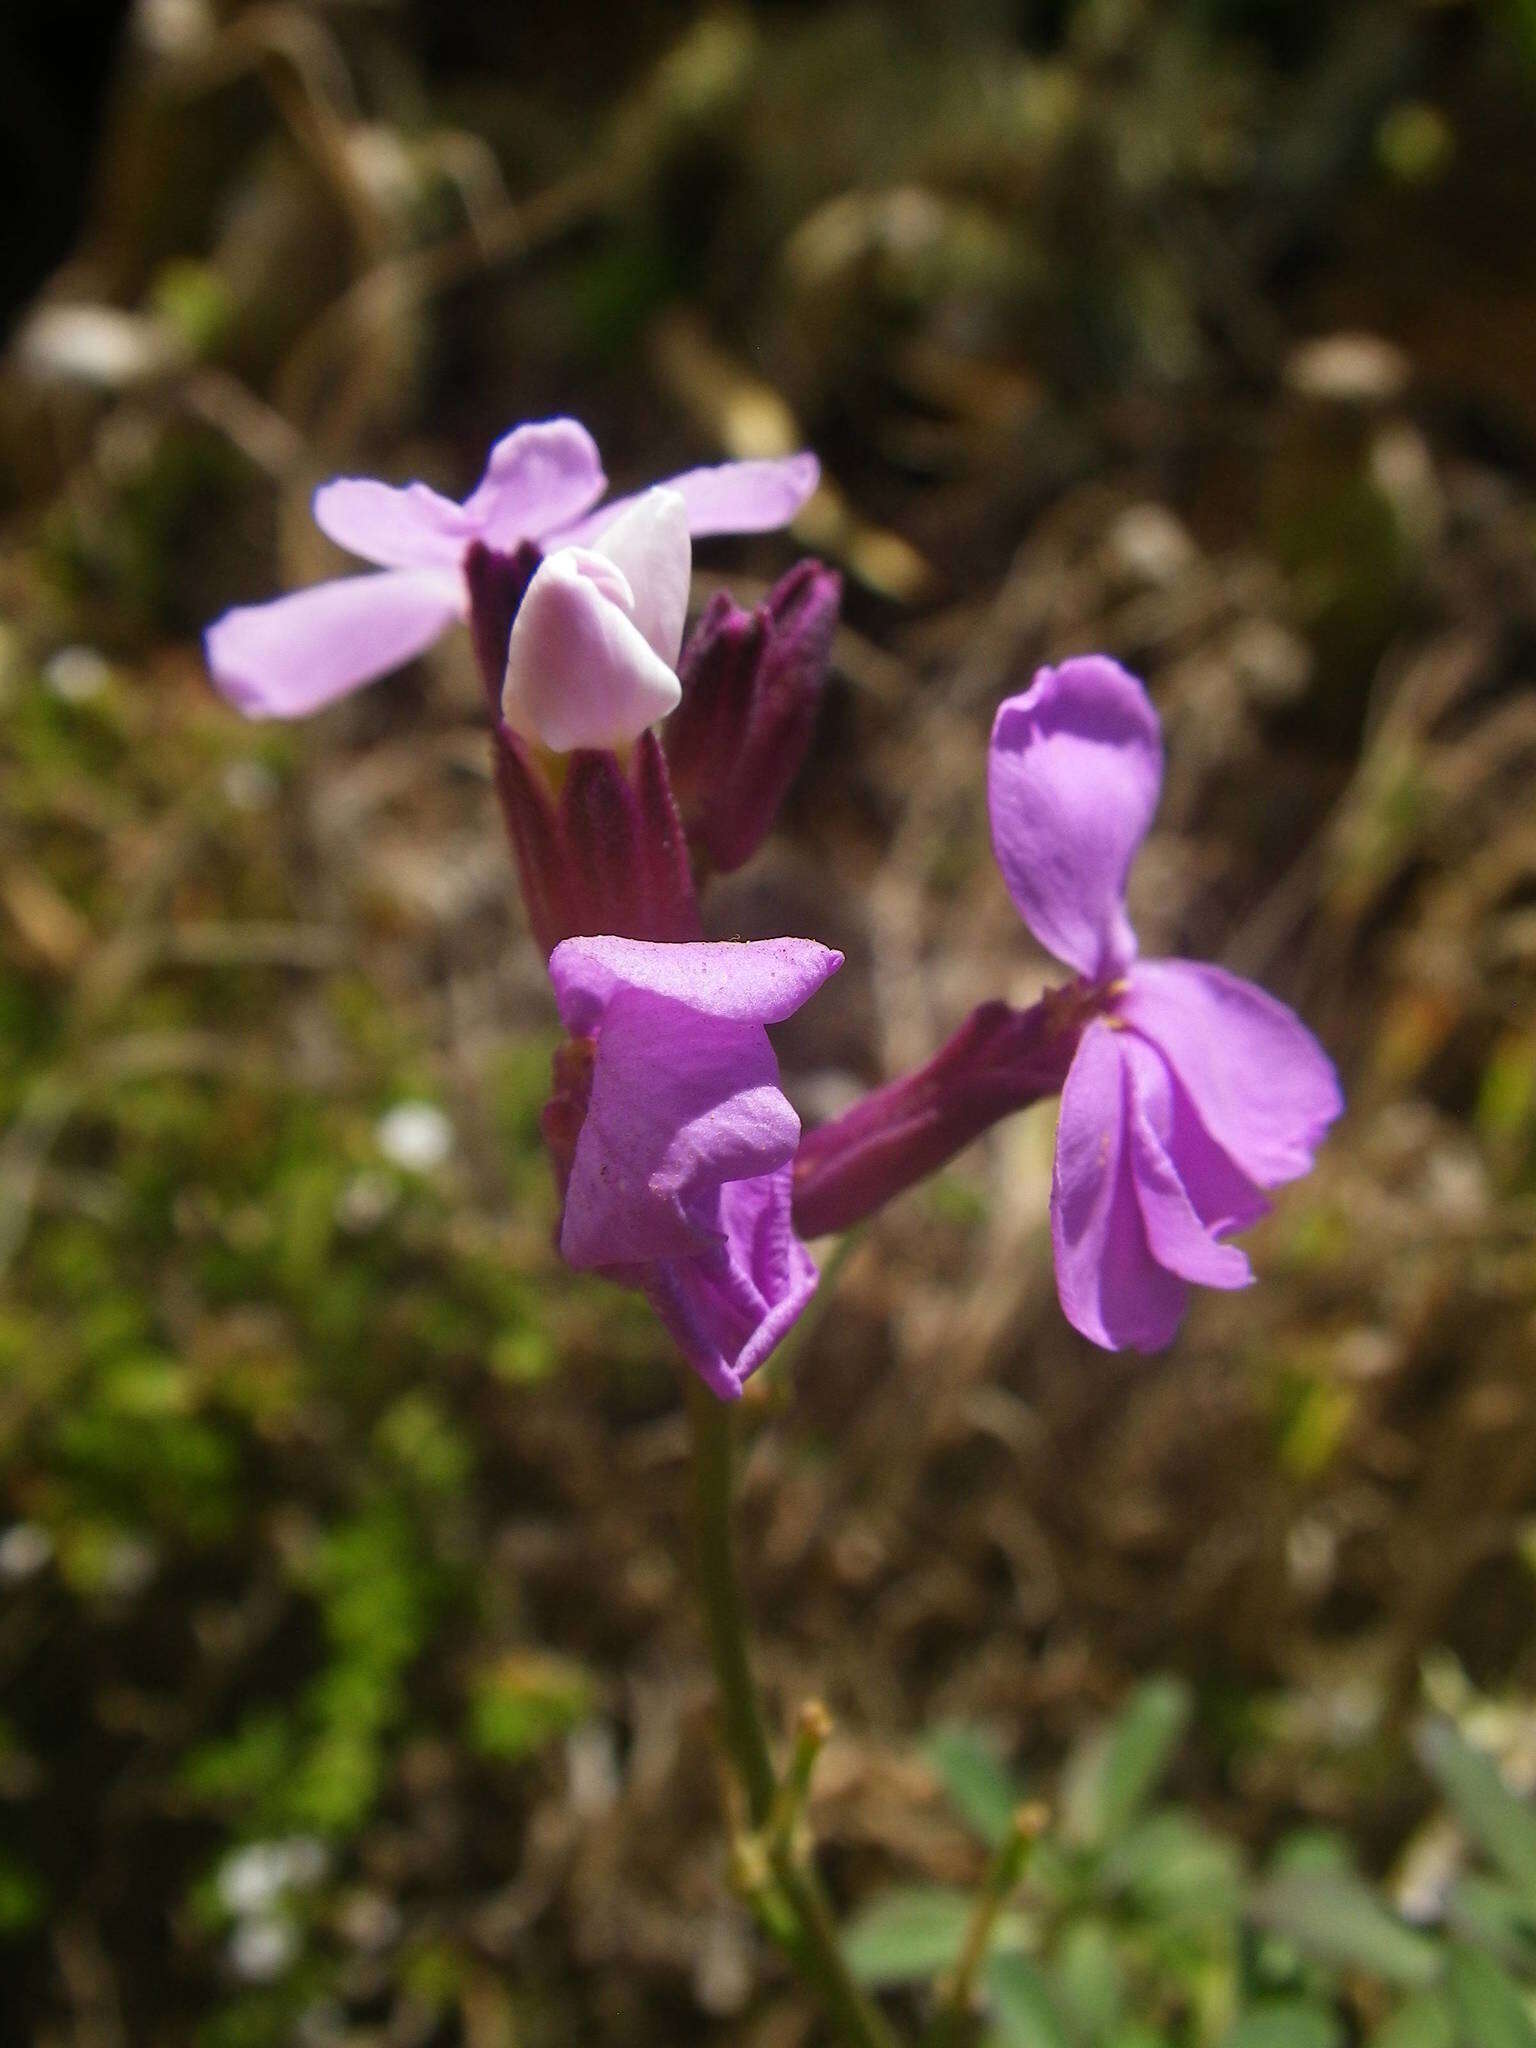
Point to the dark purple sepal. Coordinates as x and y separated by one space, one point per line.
600 837
671 904
752 685
497 584
606 857
562 1117
533 826
1000 1060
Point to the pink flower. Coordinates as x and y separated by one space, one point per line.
676 1140
298 653
1190 1090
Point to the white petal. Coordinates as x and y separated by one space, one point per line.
579 673
649 542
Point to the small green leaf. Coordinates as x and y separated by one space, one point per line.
1424 2022
982 1790
1110 1779
909 1935
1494 1917
525 1701
1313 1852
1502 1823
23 1897
1336 1919
1175 1866
1088 1978
1290 2023
1022 2006
1488 2006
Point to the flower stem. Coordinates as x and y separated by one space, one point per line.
725 1621
815 1948
954 2017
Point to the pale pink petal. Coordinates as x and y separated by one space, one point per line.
406 528
754 981
579 671
1260 1083
1177 1237
649 543
1073 779
290 657
539 479
731 497
1112 1290
602 573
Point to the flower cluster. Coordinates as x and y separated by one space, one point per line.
632 761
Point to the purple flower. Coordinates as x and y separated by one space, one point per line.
679 1141
1190 1090
290 657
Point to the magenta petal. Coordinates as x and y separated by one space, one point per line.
728 1311
1260 1083
731 497
406 528
538 480
1112 1289
680 1102
762 981
290 657
1177 1235
1222 1195
1073 779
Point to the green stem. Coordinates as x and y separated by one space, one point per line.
954 2019
816 1950
725 1620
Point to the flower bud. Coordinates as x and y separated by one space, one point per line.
752 682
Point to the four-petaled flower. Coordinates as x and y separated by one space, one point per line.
1187 1091
608 617
1190 1090
679 1179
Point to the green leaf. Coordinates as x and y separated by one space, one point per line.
1111 1777
525 1701
1022 2006
23 1897
1488 2006
1291 2023
1494 1917
1313 1852
982 1790
908 1936
1336 1919
1089 1981
1173 1865
1424 2022
1502 1823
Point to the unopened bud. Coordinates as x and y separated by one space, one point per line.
752 683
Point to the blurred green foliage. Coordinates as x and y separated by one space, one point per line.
1139 1925
241 1352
